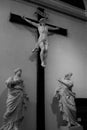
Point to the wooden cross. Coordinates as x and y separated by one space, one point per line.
40 13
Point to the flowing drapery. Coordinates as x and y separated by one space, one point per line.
15 104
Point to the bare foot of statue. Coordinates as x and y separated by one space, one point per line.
43 64
68 125
71 125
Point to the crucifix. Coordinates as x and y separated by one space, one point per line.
43 31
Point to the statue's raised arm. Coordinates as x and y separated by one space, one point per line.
30 22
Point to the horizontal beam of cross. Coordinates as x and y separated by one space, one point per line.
18 19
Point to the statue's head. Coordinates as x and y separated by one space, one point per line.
42 21
18 71
68 76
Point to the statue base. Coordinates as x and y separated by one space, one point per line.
71 128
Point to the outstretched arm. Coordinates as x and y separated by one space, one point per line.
52 27
29 21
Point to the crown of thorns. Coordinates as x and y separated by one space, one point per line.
43 20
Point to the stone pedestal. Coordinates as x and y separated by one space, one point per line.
71 128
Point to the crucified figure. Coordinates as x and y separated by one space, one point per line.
43 38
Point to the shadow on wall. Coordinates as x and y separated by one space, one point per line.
33 56
30 113
56 111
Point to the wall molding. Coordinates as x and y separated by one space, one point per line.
60 7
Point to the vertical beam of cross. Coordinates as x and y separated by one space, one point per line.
40 86
40 94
